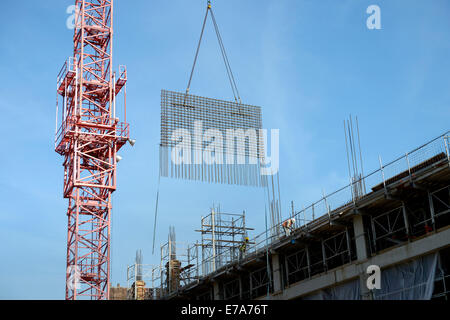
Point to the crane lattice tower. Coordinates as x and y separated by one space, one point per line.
89 137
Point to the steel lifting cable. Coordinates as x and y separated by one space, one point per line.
226 61
161 159
230 75
198 48
156 213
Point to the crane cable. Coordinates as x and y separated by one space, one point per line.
156 213
230 75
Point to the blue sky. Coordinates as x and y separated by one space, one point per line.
309 64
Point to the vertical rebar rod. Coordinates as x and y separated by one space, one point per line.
348 163
279 203
360 156
273 204
354 149
292 209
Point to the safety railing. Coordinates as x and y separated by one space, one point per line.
122 129
151 275
68 67
66 126
122 72
404 166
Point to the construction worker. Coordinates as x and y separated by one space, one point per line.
243 247
288 226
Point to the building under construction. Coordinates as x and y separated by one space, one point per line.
400 224
399 221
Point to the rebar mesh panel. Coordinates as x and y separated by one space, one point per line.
180 111
236 135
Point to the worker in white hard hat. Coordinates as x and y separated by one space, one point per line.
288 226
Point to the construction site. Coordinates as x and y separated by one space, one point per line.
396 217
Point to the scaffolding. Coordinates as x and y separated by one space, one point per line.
144 282
178 261
135 282
222 239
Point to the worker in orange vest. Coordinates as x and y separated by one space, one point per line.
288 226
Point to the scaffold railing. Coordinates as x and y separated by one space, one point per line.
67 128
150 275
68 68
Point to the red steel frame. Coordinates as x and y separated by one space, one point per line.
88 138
